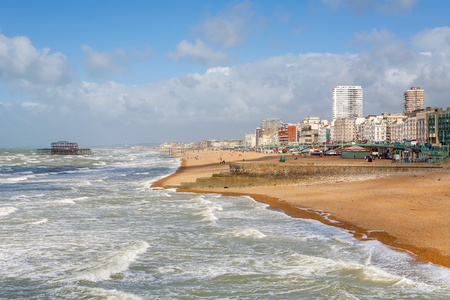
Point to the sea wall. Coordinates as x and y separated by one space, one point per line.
297 170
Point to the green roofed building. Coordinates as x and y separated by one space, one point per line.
355 152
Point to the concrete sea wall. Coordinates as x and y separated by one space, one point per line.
298 170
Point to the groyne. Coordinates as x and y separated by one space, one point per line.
302 170
251 174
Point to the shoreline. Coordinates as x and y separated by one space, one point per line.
408 213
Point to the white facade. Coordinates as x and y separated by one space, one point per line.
390 119
397 131
269 138
374 129
416 127
308 130
344 130
347 102
250 140
274 124
324 128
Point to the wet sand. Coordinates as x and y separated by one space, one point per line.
407 212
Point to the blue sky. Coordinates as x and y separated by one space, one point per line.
102 72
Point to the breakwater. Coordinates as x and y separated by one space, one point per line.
314 170
251 174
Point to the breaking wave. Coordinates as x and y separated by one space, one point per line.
117 263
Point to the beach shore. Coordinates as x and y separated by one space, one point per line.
406 212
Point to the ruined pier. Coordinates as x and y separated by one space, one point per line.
64 148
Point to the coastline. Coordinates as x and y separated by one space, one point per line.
408 213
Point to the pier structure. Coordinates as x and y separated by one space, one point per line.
64 148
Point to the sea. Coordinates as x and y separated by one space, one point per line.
91 227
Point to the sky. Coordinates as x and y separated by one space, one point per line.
109 72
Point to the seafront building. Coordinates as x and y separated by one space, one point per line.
273 124
250 140
324 132
344 130
347 102
258 136
287 134
391 119
373 129
397 131
413 99
416 124
308 130
438 121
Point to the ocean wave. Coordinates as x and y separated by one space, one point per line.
343 241
97 293
247 233
314 267
207 215
117 263
37 222
71 200
4 211
16 179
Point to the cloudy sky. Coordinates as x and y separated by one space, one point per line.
107 72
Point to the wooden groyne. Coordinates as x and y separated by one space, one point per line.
64 148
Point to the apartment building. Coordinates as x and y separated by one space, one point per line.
273 124
390 119
347 102
373 130
344 130
438 121
413 99
308 130
287 134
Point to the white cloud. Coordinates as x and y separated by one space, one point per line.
226 102
107 64
103 64
226 29
20 61
198 53
397 6
229 28
222 70
436 40
388 7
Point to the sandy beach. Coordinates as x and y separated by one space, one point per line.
406 212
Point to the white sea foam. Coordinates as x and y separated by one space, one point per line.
98 293
342 241
84 183
117 263
71 200
247 233
314 266
17 179
208 215
70 172
37 222
4 211
367 260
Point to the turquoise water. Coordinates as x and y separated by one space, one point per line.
90 227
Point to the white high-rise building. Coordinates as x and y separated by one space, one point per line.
347 102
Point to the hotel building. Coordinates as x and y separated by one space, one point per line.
347 102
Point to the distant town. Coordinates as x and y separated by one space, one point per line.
417 125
